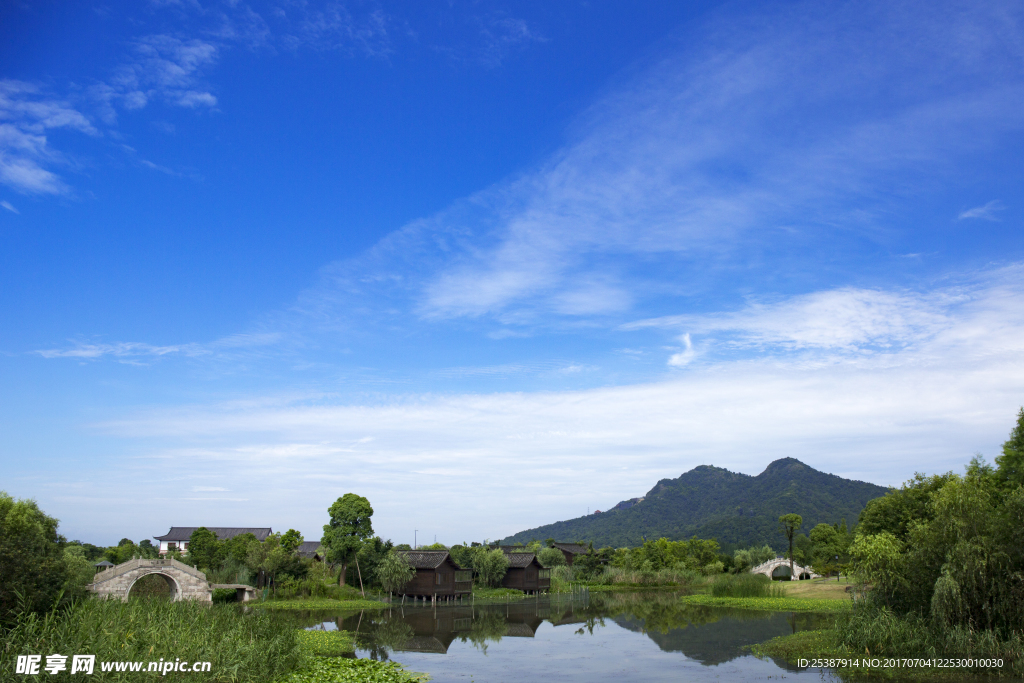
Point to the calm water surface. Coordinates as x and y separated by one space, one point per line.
601 637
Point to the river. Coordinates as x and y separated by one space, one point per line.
644 636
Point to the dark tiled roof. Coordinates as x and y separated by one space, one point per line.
520 560
183 533
574 548
424 559
307 548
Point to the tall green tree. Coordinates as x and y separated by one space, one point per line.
205 550
291 540
1011 463
348 529
790 524
31 558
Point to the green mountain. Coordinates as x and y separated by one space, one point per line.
710 502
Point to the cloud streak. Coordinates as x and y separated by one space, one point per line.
986 212
928 405
697 163
27 114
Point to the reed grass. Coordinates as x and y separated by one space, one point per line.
745 585
240 646
636 577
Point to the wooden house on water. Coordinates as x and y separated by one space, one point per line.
437 575
526 574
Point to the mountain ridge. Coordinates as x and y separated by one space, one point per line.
712 502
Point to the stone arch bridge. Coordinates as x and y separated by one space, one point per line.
184 582
779 569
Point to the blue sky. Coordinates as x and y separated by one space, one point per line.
493 264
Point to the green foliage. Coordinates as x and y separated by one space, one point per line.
748 558
323 604
1011 462
205 551
952 554
241 646
393 572
344 670
434 546
326 643
78 570
291 540
490 566
551 557
653 556
348 529
710 502
770 604
32 564
461 554
370 554
882 632
745 586
619 576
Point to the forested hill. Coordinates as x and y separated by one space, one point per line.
711 502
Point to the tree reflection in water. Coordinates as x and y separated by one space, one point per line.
709 635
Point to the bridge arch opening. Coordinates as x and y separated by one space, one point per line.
781 573
155 585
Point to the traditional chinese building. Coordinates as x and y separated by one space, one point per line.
177 538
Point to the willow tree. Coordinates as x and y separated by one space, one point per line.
394 572
790 525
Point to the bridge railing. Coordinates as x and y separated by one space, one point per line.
131 565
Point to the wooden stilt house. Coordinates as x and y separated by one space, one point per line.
526 574
437 575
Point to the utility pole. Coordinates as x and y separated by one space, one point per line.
414 546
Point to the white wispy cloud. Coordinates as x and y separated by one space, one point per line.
668 178
27 112
10 207
840 319
928 405
225 346
120 350
986 212
163 68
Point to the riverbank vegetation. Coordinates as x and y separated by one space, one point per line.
941 561
241 646
345 670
